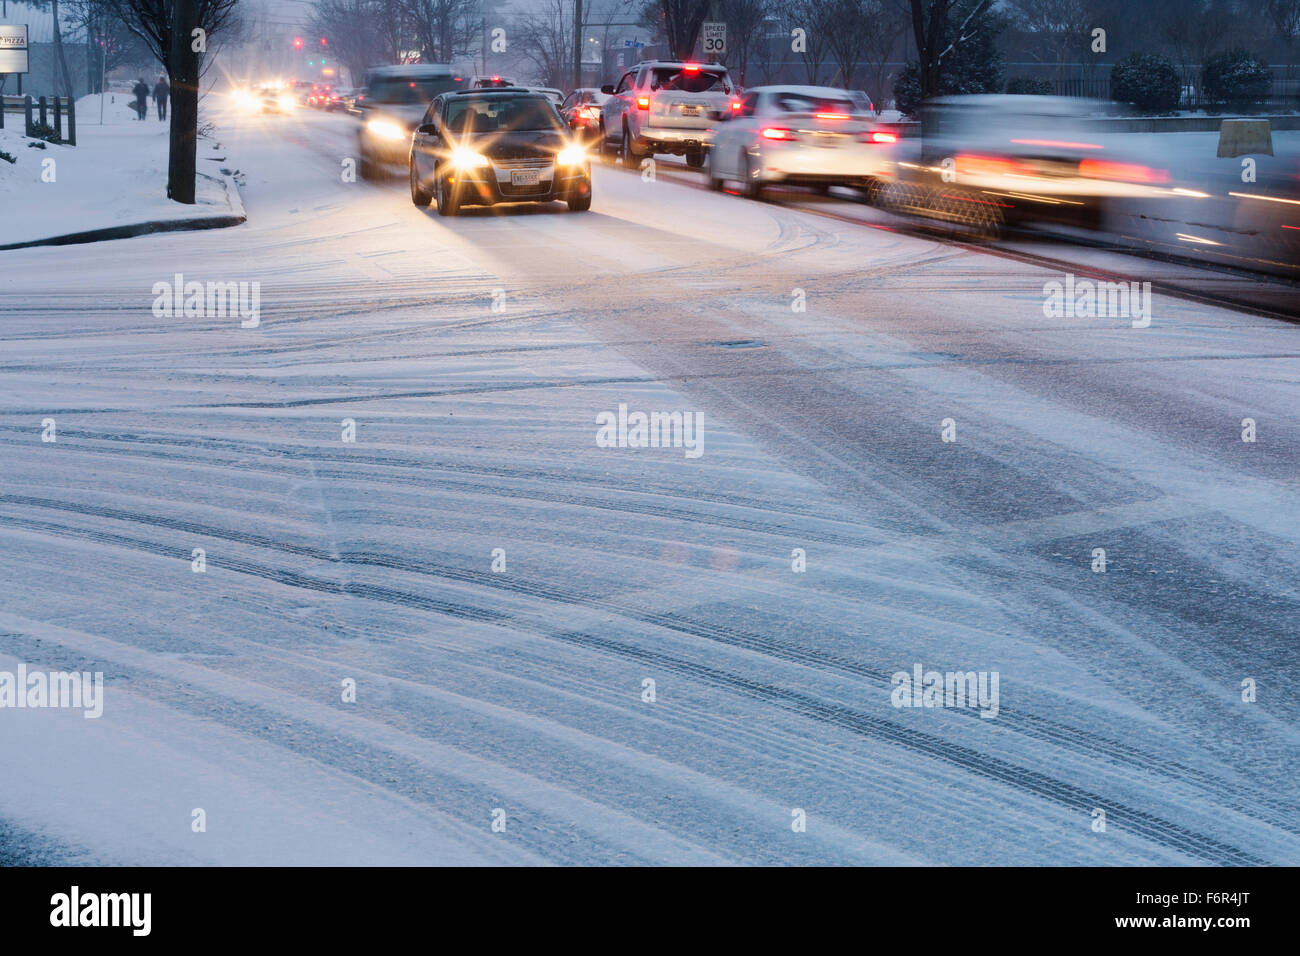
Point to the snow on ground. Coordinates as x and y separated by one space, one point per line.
522 688
116 175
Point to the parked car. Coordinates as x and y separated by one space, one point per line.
802 135
581 112
664 106
482 147
394 100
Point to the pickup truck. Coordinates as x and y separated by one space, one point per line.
665 106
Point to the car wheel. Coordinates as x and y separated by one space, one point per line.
580 203
715 181
870 191
366 167
419 195
448 197
607 152
695 158
753 183
628 152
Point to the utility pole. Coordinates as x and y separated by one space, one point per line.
577 43
184 65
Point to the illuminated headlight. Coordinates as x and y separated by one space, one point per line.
247 101
285 102
571 156
467 159
386 130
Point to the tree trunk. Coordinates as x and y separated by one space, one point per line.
58 49
184 63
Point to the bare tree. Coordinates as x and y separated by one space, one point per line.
746 25
545 39
1061 28
679 21
362 33
1285 17
819 20
151 21
847 42
938 27
443 28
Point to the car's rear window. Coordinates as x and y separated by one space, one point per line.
690 81
470 114
803 103
401 91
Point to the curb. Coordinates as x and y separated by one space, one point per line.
235 217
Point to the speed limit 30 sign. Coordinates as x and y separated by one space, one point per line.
715 38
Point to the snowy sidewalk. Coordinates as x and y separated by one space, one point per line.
114 179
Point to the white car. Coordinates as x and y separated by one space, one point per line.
802 135
664 106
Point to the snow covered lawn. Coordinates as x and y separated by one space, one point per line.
116 175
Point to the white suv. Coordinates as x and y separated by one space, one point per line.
665 106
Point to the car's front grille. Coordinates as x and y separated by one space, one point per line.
541 189
536 162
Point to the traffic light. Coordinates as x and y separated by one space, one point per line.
322 41
297 43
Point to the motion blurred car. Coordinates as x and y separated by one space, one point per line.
664 106
1034 158
394 100
341 100
264 99
482 147
581 112
815 136
319 95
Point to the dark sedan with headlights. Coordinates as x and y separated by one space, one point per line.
482 147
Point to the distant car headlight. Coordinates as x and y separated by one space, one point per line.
247 101
386 130
285 102
463 158
571 156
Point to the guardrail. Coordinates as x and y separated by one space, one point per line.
38 113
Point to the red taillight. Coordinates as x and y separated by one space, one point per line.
496 79
735 104
834 116
590 112
779 132
990 166
690 68
880 136
643 102
1124 172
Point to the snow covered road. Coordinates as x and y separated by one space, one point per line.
501 589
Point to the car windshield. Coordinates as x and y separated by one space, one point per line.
689 81
501 113
403 91
805 103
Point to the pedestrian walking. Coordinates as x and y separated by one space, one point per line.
141 91
162 89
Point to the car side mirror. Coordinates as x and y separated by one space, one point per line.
427 128
608 88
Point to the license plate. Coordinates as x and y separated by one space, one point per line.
691 110
524 177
